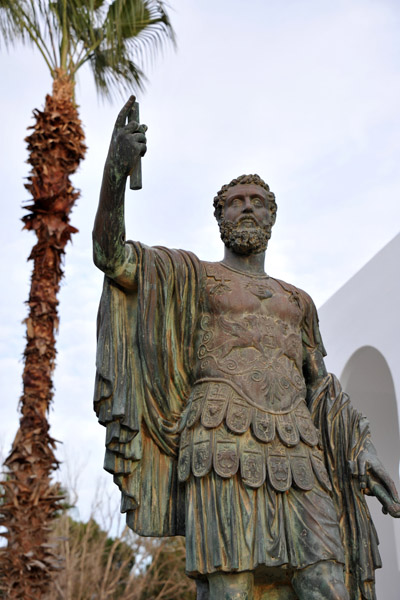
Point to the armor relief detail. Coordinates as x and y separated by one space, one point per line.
202 451
226 454
223 430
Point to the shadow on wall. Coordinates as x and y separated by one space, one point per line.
368 381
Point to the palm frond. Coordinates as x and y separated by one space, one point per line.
117 38
23 21
134 31
111 78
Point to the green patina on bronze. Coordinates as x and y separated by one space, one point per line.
222 422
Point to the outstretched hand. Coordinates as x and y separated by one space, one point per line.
128 143
375 481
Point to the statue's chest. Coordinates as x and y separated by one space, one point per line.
247 299
250 333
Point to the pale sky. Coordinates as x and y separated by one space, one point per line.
305 93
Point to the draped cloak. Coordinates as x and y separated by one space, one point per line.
145 355
145 363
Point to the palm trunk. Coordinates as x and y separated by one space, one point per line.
30 498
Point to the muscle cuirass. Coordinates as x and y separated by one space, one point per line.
247 410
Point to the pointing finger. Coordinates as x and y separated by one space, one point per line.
123 113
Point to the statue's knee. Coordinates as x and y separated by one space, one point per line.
231 586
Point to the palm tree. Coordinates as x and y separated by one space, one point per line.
68 34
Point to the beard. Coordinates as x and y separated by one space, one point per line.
252 240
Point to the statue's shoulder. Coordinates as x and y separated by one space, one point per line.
162 252
211 269
295 291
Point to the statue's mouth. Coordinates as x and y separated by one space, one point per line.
247 222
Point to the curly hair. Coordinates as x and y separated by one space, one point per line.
220 198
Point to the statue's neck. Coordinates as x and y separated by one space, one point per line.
252 264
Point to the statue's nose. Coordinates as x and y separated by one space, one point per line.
248 207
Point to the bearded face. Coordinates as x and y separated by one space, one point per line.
246 220
245 236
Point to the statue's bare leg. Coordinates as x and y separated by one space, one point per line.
322 581
231 586
203 592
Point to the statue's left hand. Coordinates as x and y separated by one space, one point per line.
375 481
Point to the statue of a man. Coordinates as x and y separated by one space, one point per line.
222 422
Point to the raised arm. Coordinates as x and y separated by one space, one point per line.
128 144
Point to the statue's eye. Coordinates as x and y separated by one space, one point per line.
257 202
236 202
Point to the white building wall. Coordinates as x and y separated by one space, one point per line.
360 326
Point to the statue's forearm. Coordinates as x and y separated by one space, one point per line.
109 225
128 144
314 369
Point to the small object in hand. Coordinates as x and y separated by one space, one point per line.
135 181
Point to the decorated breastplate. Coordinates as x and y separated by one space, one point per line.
250 334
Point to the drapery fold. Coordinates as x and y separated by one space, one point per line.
144 364
344 432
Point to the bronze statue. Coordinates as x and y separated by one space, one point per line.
222 422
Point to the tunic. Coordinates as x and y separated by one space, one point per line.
257 492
